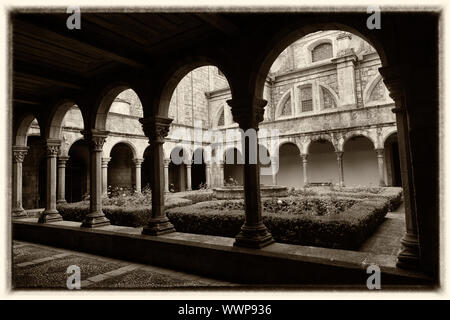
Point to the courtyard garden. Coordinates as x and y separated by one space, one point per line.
324 216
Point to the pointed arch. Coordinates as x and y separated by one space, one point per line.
286 101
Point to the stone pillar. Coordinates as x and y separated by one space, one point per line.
137 167
105 162
305 169
339 155
61 197
95 217
50 213
409 256
166 175
274 162
188 176
380 158
248 112
220 165
208 174
19 153
156 129
345 64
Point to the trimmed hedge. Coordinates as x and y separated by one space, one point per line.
345 230
121 216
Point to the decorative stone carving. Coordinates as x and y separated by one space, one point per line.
247 112
137 162
52 148
19 153
156 128
380 152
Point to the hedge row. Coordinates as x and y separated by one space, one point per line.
346 230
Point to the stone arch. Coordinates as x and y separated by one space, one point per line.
235 170
106 99
54 127
322 86
387 134
279 108
322 137
357 133
23 125
290 171
126 142
370 86
359 161
187 152
176 73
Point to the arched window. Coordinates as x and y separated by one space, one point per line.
321 52
327 99
221 121
286 110
306 102
378 92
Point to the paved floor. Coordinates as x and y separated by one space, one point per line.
386 239
37 266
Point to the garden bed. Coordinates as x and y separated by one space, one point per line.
343 223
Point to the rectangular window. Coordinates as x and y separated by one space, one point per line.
306 99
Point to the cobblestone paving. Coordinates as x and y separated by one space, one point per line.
41 267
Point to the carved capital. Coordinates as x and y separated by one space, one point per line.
105 162
19 153
392 78
166 162
52 147
380 152
62 161
137 162
304 157
339 155
156 128
96 138
247 112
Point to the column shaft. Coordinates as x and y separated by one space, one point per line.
166 175
105 162
248 112
19 153
157 128
61 198
50 213
380 158
188 177
305 169
339 155
95 217
137 167
208 174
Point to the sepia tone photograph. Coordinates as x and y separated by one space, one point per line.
224 149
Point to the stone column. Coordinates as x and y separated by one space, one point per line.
166 175
380 158
19 153
61 197
156 129
137 167
409 256
305 169
345 64
105 162
339 155
95 217
208 174
248 112
274 162
50 213
188 176
220 165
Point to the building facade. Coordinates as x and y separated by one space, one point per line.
328 119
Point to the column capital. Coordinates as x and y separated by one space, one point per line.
52 147
19 153
339 154
304 157
96 138
105 161
166 162
248 112
380 152
156 128
62 161
392 78
137 162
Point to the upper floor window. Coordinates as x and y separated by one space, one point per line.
306 102
286 109
327 99
321 52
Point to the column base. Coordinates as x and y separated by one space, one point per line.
255 237
95 220
61 201
50 216
19 213
158 226
409 257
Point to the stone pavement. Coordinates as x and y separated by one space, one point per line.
38 266
386 239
